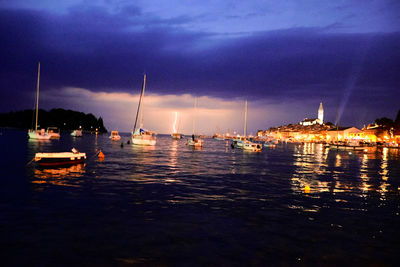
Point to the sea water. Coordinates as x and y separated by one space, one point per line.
174 205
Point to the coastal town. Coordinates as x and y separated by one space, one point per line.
382 132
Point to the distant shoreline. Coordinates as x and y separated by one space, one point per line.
65 120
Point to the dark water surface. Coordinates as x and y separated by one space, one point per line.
171 205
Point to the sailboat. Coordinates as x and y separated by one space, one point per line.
38 134
241 141
195 142
141 136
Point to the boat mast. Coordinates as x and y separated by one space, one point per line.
194 115
37 97
138 109
337 124
245 118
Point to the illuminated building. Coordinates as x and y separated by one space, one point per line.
376 133
344 133
319 120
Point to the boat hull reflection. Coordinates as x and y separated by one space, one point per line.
76 170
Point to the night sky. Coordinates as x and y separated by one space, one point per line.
284 58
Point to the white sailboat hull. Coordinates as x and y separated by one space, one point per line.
38 135
195 143
144 140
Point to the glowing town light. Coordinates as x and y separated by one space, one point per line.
176 119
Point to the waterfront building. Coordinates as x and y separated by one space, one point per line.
344 133
377 133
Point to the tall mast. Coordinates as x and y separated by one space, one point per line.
140 100
245 118
141 110
337 124
194 115
37 97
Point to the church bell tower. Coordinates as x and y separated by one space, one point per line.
321 114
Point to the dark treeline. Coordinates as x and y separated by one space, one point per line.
61 118
389 123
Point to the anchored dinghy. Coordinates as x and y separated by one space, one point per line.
60 158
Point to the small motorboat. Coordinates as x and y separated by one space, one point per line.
54 132
250 146
60 158
239 142
176 136
115 136
77 133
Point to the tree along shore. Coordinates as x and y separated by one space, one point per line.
60 118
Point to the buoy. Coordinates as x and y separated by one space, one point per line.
101 156
122 144
307 189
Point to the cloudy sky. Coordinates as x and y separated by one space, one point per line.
284 57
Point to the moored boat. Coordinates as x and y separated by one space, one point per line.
36 134
238 142
347 147
60 158
176 136
141 136
144 137
241 141
115 136
351 145
195 142
250 146
54 132
77 133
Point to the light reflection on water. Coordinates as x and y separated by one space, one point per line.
59 176
172 162
334 171
146 200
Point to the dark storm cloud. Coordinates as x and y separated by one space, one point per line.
90 47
